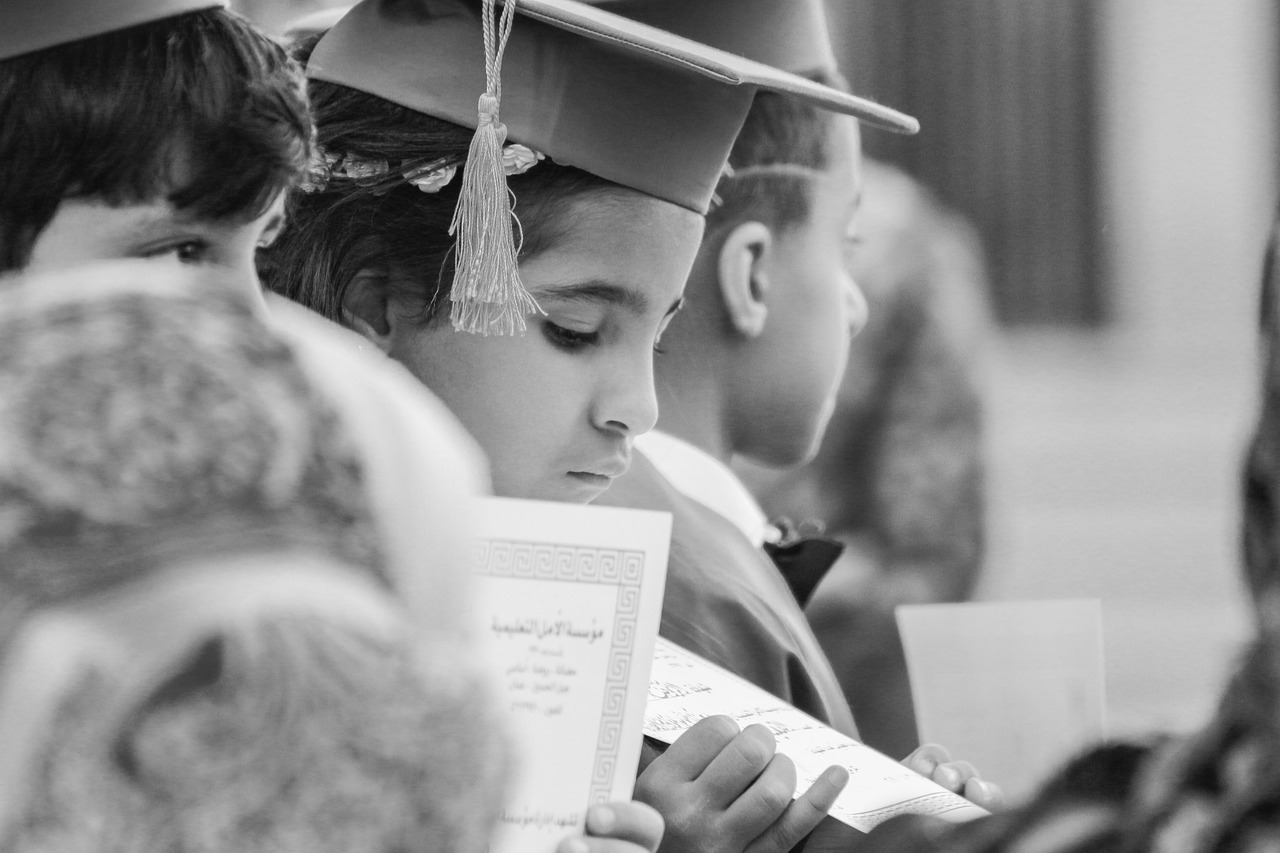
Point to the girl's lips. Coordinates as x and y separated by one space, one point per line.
589 478
585 486
607 469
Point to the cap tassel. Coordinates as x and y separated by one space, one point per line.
488 296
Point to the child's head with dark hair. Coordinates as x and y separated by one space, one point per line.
341 228
771 304
169 139
605 263
783 145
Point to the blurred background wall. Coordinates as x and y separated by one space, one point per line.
1119 159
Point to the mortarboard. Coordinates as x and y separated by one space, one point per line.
30 25
627 102
788 34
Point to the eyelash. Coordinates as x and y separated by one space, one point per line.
568 339
573 341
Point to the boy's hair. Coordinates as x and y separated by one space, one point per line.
200 109
779 131
336 231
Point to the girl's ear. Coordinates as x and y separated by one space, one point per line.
365 307
744 280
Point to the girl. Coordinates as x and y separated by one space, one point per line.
618 134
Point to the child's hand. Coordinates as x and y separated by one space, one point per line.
959 777
621 827
721 790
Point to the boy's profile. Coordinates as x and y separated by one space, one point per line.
751 368
162 129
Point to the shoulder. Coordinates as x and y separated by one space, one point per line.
720 588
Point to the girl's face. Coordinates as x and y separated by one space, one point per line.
557 408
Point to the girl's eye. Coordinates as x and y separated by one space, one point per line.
568 340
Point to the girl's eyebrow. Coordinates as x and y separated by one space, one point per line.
596 291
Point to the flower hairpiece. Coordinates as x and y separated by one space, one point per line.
516 160
431 177
428 177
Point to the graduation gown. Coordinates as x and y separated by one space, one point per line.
726 601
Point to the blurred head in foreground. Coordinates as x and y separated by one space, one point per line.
199 644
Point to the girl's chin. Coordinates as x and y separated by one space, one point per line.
574 488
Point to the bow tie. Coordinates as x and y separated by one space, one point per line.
802 560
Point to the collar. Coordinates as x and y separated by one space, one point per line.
698 475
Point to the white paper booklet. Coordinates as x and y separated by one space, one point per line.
684 688
570 598
1016 687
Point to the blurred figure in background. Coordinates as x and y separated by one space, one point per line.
899 478
1216 791
199 645
1260 531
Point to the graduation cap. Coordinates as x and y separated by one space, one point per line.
31 25
788 34
627 102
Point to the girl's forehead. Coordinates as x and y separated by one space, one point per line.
623 248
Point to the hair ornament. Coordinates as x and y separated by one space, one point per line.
434 175
430 177
518 159
325 166
319 169
358 169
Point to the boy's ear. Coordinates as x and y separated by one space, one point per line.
744 280
365 307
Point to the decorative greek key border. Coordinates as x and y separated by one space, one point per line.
623 569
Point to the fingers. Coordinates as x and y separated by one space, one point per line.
959 777
739 767
802 816
989 795
589 844
627 821
763 802
722 789
687 758
954 775
926 759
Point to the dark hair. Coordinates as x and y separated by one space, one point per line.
779 130
336 231
120 116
